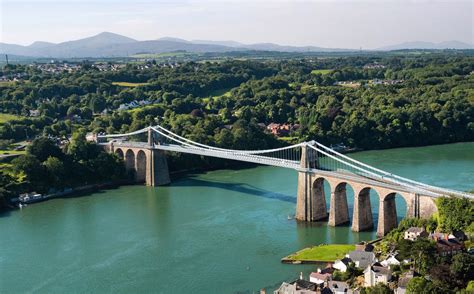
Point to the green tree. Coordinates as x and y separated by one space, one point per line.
377 289
419 285
56 171
32 169
80 149
42 148
455 213
462 268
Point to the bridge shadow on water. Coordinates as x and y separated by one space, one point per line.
237 187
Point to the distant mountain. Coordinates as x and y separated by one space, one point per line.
282 48
222 43
171 39
41 44
113 45
429 45
107 45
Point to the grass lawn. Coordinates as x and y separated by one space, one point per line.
6 84
216 94
321 71
4 117
5 152
324 253
127 84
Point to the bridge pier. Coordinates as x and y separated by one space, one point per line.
338 208
159 174
362 219
387 215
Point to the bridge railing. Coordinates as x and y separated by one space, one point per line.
343 162
318 157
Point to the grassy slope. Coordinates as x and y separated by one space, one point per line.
127 84
321 71
4 117
6 84
323 253
216 94
5 152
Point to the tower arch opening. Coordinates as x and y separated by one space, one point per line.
141 163
130 163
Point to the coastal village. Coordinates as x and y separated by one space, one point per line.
367 267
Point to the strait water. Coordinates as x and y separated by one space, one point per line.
215 232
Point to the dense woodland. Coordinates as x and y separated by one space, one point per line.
433 105
225 103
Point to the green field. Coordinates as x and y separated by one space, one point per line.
321 71
216 94
6 84
323 253
4 117
6 152
127 84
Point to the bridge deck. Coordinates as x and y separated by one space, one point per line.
340 174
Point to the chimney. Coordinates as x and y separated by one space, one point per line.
319 270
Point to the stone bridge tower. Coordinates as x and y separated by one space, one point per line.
145 163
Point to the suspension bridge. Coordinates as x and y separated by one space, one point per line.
315 164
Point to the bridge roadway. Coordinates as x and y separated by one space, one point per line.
291 164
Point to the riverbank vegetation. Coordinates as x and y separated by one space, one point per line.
46 168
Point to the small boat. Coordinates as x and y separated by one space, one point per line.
290 217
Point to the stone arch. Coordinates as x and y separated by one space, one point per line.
339 208
130 161
318 199
141 162
388 212
362 218
119 153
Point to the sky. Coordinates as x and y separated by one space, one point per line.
366 24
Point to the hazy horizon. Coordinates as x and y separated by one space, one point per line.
332 24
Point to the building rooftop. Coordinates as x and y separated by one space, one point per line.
364 258
415 230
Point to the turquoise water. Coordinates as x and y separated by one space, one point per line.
216 232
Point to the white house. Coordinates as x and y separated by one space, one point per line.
390 261
34 113
376 274
341 264
321 276
414 233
